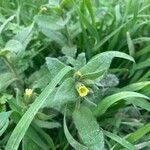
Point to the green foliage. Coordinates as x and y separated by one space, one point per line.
74 74
88 128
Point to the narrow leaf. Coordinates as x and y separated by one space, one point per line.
120 140
110 100
27 118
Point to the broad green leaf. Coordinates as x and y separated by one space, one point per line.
65 93
27 118
120 140
24 36
50 22
50 26
94 75
14 46
40 78
56 36
88 129
69 50
54 65
76 145
4 121
102 62
110 100
6 79
80 61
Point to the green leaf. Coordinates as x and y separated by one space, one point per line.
110 100
45 136
3 53
120 140
29 144
50 26
130 44
66 4
40 78
90 9
65 93
24 36
54 65
47 124
76 145
69 50
142 64
80 61
2 130
102 62
50 22
108 37
6 22
27 118
109 80
14 46
6 79
88 129
143 51
133 137
35 139
136 86
4 121
140 102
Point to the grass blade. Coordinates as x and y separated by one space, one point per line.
110 100
120 140
27 118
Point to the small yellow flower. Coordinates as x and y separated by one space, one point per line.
28 92
82 89
78 74
42 9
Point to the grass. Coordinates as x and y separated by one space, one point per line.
53 48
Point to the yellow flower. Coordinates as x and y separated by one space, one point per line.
28 92
42 9
82 89
78 74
